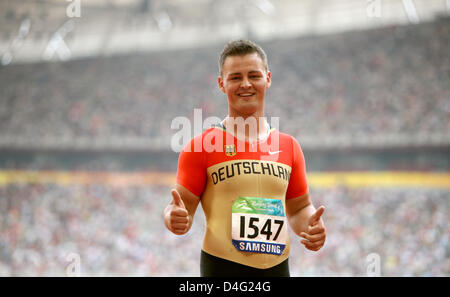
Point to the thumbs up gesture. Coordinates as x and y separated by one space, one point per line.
314 237
178 216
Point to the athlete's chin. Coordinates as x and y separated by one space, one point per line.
247 110
251 103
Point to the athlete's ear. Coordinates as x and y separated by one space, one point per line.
269 79
220 83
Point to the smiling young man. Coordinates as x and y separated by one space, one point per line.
252 188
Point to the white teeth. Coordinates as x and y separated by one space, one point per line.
245 95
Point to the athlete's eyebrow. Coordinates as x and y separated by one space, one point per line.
239 73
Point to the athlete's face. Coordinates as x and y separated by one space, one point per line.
244 80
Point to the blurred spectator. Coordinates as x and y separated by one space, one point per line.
383 85
373 84
119 231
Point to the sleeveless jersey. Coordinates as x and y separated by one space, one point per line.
243 188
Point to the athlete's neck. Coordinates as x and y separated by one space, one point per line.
249 129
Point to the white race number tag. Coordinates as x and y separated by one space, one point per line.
259 225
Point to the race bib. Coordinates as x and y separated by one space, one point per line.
259 225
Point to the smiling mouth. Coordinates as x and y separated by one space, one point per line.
243 95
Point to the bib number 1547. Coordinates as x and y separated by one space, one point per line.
250 227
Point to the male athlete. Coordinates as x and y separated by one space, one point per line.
250 179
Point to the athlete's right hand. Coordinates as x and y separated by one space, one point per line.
178 215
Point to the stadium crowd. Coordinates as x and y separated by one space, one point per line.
119 231
379 85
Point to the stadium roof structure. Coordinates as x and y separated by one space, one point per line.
52 30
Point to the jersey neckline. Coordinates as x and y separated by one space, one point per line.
221 126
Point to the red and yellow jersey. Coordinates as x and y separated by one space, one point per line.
243 188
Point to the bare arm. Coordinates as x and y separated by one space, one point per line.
179 213
306 221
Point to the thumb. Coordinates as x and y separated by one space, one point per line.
316 216
177 198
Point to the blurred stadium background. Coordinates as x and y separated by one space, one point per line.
88 90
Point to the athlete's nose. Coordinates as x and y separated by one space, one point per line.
245 83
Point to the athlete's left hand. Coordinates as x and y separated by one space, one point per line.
314 237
